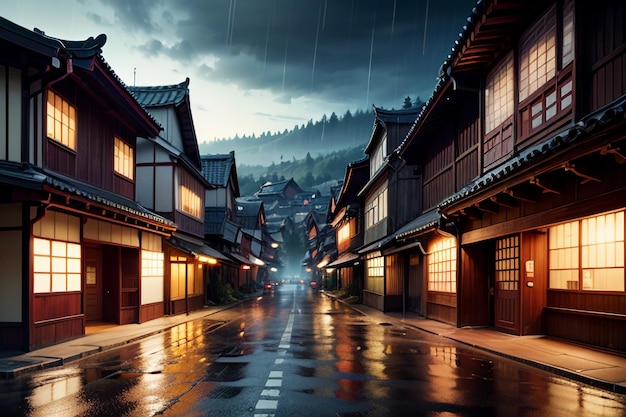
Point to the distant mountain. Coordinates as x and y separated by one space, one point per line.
315 138
310 173
311 154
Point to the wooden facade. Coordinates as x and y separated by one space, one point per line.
68 201
512 178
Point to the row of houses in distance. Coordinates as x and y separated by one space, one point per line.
501 202
108 212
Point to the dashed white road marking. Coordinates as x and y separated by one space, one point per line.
275 378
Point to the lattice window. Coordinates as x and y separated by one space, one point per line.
61 120
507 263
442 266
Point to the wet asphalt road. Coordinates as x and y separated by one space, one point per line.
296 352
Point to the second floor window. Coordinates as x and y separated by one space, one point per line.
538 56
124 161
376 208
379 155
499 95
61 120
190 202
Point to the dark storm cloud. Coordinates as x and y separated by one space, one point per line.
371 50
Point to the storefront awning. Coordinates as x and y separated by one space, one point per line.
347 259
196 248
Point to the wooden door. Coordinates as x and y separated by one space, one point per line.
93 284
507 285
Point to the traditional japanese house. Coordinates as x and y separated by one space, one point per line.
77 250
347 222
221 229
170 183
389 203
521 148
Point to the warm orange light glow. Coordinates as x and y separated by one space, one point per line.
245 267
207 260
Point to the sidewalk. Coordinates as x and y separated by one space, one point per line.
591 366
13 364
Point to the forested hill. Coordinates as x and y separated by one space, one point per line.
315 138
314 155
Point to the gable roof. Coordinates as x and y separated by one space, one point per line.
176 96
83 59
489 31
218 168
384 117
279 187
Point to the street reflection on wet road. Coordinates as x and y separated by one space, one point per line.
296 352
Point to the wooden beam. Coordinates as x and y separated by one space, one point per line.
472 212
609 150
569 167
505 200
488 206
545 185
524 192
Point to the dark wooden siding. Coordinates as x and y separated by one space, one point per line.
603 42
129 308
92 162
56 317
468 154
184 221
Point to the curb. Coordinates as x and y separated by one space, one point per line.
597 383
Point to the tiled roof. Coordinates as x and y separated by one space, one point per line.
34 178
163 95
592 123
214 218
217 168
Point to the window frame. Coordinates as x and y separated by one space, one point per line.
442 270
571 240
63 119
123 159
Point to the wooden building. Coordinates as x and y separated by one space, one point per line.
347 221
521 149
76 247
221 230
389 203
170 183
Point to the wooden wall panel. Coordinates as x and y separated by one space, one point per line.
441 307
394 274
603 41
605 332
56 306
152 311
54 331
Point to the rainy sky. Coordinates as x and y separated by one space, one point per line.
264 65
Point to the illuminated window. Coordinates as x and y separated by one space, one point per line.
507 263
182 271
343 233
376 208
190 202
538 55
588 254
151 264
61 120
123 159
375 278
442 266
499 95
56 266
